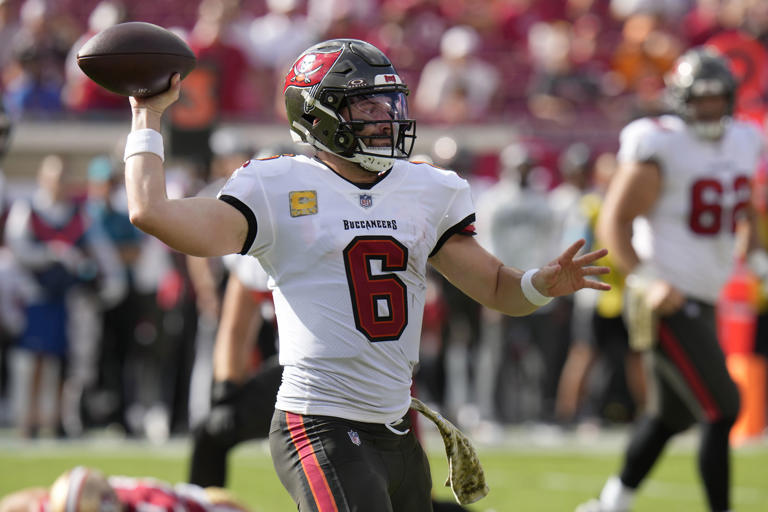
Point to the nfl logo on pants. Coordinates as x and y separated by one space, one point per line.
354 437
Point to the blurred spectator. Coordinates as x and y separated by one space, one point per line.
280 35
343 18
599 337
702 21
107 401
50 237
34 78
574 165
457 86
410 32
11 312
646 52
35 89
273 41
575 169
208 275
560 90
80 93
672 10
166 331
5 142
9 28
14 292
516 223
218 86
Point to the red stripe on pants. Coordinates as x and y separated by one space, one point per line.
321 491
672 347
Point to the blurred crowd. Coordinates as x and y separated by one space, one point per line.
465 61
101 325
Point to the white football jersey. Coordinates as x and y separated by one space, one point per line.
688 237
348 270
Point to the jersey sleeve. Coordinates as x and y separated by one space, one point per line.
459 216
640 141
245 191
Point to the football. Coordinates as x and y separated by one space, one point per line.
135 58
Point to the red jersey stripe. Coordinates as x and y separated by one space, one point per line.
321 491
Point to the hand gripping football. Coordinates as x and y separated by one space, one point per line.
135 58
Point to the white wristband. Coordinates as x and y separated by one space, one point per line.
533 295
146 140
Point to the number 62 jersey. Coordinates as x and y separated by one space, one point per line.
688 237
348 270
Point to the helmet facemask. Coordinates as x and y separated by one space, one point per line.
380 129
354 107
705 121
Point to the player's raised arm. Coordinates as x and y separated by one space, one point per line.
514 292
197 226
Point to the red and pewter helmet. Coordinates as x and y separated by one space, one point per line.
701 72
345 97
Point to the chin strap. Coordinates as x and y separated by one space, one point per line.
466 477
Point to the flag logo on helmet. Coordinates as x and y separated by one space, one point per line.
310 68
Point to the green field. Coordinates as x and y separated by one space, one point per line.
524 473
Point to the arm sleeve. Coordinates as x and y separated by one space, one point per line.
640 141
245 191
459 216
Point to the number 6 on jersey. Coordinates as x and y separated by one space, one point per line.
379 302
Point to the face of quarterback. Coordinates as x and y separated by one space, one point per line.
377 116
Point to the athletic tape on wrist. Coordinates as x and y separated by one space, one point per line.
146 140
533 295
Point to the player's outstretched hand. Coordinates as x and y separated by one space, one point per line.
568 273
159 102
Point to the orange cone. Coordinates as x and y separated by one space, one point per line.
749 371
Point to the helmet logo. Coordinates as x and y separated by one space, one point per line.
310 69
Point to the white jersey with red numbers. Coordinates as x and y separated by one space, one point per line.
688 236
348 268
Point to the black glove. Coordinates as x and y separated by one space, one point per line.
222 418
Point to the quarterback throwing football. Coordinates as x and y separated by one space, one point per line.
345 236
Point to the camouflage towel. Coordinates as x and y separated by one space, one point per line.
466 477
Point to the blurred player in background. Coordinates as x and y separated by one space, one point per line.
345 237
208 275
76 270
687 179
83 489
242 400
